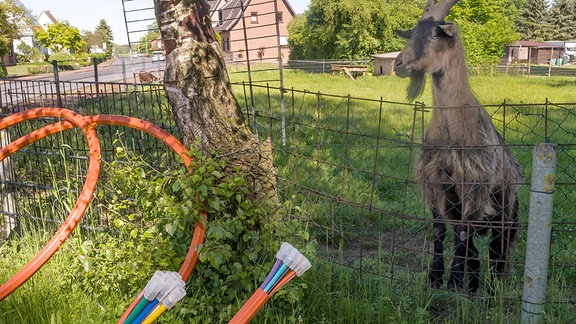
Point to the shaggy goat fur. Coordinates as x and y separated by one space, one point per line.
468 176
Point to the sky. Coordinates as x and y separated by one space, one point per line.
85 15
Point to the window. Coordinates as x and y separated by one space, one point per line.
253 17
225 44
220 17
280 17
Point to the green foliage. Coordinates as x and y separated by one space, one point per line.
353 29
101 35
59 37
533 21
154 214
28 53
40 69
100 57
3 71
145 43
61 57
350 29
562 19
9 14
105 29
486 28
65 61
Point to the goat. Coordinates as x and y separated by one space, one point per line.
468 176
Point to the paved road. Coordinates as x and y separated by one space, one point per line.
110 71
32 87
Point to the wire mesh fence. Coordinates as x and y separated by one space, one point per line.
349 161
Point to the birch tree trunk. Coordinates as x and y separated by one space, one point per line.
199 90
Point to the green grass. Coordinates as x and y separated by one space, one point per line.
22 68
391 286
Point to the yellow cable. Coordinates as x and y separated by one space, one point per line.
155 314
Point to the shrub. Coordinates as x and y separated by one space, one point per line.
61 57
100 57
40 69
28 53
154 213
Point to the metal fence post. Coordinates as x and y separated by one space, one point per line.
9 206
539 232
95 63
57 83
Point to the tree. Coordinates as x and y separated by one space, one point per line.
562 19
9 14
486 27
533 22
350 28
59 37
358 29
106 31
145 43
210 119
199 90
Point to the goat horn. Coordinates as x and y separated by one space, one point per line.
440 11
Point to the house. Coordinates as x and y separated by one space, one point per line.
262 36
46 18
27 25
533 52
384 63
157 43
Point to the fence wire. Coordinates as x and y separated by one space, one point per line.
349 161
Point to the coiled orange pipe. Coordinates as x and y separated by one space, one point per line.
87 124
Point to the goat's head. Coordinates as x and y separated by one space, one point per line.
428 47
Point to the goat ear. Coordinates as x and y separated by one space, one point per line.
447 29
407 34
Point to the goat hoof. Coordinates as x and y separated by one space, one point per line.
455 285
436 284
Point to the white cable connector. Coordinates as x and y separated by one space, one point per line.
293 259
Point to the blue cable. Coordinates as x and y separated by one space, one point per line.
142 316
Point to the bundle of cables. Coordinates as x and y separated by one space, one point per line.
164 290
289 263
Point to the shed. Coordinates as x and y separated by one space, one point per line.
384 63
533 52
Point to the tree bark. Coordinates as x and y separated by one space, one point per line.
199 90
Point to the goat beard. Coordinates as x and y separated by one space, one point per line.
416 87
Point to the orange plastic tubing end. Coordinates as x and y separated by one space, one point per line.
251 307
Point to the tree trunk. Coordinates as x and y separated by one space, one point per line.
199 90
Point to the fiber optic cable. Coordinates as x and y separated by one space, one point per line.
289 263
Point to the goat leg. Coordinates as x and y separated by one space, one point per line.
437 268
472 265
500 242
456 280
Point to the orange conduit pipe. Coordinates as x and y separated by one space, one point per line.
88 123
81 204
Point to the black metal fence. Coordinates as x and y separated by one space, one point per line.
347 160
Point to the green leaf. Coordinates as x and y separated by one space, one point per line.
87 264
203 190
176 186
171 228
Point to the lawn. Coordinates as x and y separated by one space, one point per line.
332 144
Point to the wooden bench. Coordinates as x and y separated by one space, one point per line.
349 69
